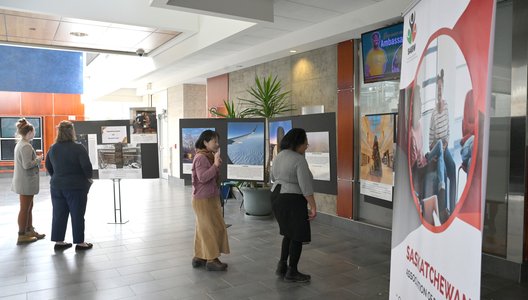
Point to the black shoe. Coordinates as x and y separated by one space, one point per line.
296 276
282 268
215 265
198 262
82 248
61 247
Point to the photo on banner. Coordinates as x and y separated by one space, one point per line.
443 129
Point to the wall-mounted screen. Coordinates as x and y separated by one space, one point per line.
382 51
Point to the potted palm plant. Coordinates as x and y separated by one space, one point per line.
267 101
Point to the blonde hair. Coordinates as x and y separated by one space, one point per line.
23 127
65 132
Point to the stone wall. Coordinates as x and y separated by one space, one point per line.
312 79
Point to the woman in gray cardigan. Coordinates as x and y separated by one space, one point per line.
26 181
292 194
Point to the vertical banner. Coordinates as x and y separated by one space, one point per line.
441 159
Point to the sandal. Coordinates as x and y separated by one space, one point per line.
82 248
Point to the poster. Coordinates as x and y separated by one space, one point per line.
377 156
442 150
189 137
114 134
277 130
245 150
144 126
89 141
119 161
318 155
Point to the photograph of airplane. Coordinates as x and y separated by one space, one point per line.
245 143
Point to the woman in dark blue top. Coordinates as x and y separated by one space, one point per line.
71 177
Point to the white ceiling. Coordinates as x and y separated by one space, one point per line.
47 30
211 43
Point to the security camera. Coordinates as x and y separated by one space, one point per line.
140 52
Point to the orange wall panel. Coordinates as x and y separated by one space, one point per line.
49 132
345 69
67 104
345 129
37 104
345 196
345 124
217 90
10 104
53 108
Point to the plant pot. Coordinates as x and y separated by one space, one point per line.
257 201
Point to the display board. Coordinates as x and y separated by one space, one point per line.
111 153
242 142
321 153
378 143
322 150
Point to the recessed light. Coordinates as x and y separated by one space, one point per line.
293 51
78 34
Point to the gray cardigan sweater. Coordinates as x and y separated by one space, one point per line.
26 174
290 170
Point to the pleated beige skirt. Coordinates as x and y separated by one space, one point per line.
210 237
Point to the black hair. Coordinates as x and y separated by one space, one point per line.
293 139
206 136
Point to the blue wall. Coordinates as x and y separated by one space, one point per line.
40 70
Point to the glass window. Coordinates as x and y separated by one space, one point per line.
501 132
8 135
376 98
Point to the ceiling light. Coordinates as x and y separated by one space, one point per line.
293 51
78 34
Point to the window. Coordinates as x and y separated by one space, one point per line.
8 136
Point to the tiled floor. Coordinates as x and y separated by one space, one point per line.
149 257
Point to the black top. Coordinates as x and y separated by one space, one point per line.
69 166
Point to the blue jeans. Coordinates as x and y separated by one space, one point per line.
466 152
438 153
451 174
68 202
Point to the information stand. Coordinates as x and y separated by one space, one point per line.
116 184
